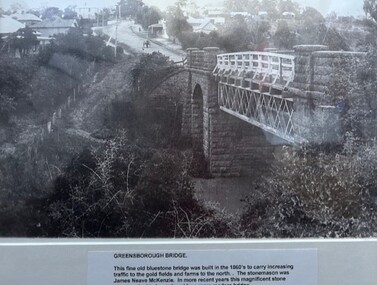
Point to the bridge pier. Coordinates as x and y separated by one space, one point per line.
229 146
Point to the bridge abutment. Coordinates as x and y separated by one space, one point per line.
319 91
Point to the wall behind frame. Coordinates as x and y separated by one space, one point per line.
62 262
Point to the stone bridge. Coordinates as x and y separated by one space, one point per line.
239 108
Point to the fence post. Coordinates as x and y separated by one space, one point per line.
281 70
49 127
53 120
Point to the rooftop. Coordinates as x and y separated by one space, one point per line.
25 17
56 23
9 25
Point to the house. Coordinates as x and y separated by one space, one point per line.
289 15
9 26
50 27
242 14
155 29
202 25
26 18
263 16
215 14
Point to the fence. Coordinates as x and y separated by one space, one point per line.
43 131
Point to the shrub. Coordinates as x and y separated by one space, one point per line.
165 205
124 191
198 40
315 193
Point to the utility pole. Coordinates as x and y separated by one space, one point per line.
116 35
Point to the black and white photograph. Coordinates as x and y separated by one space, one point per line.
188 119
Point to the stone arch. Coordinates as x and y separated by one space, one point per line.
197 130
199 162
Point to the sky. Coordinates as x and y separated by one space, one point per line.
341 7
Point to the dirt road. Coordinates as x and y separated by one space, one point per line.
135 42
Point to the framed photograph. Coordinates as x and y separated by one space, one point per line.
180 119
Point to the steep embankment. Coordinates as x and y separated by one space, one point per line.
87 117
31 160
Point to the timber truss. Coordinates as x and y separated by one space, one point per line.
251 87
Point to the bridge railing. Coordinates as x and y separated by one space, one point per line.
277 68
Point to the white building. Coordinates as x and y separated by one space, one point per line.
51 27
202 25
215 14
243 14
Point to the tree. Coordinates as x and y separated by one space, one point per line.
254 7
92 197
51 12
313 30
314 192
284 37
288 6
236 35
74 43
237 5
165 205
122 190
370 9
69 13
312 17
148 16
199 40
18 6
103 16
34 12
25 40
130 8
7 105
260 32
15 81
176 22
270 6
357 89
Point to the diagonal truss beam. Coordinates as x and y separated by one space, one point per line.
271 113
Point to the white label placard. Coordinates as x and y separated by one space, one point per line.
203 267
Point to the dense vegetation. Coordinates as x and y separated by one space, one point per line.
26 82
240 33
312 192
31 89
142 14
123 190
